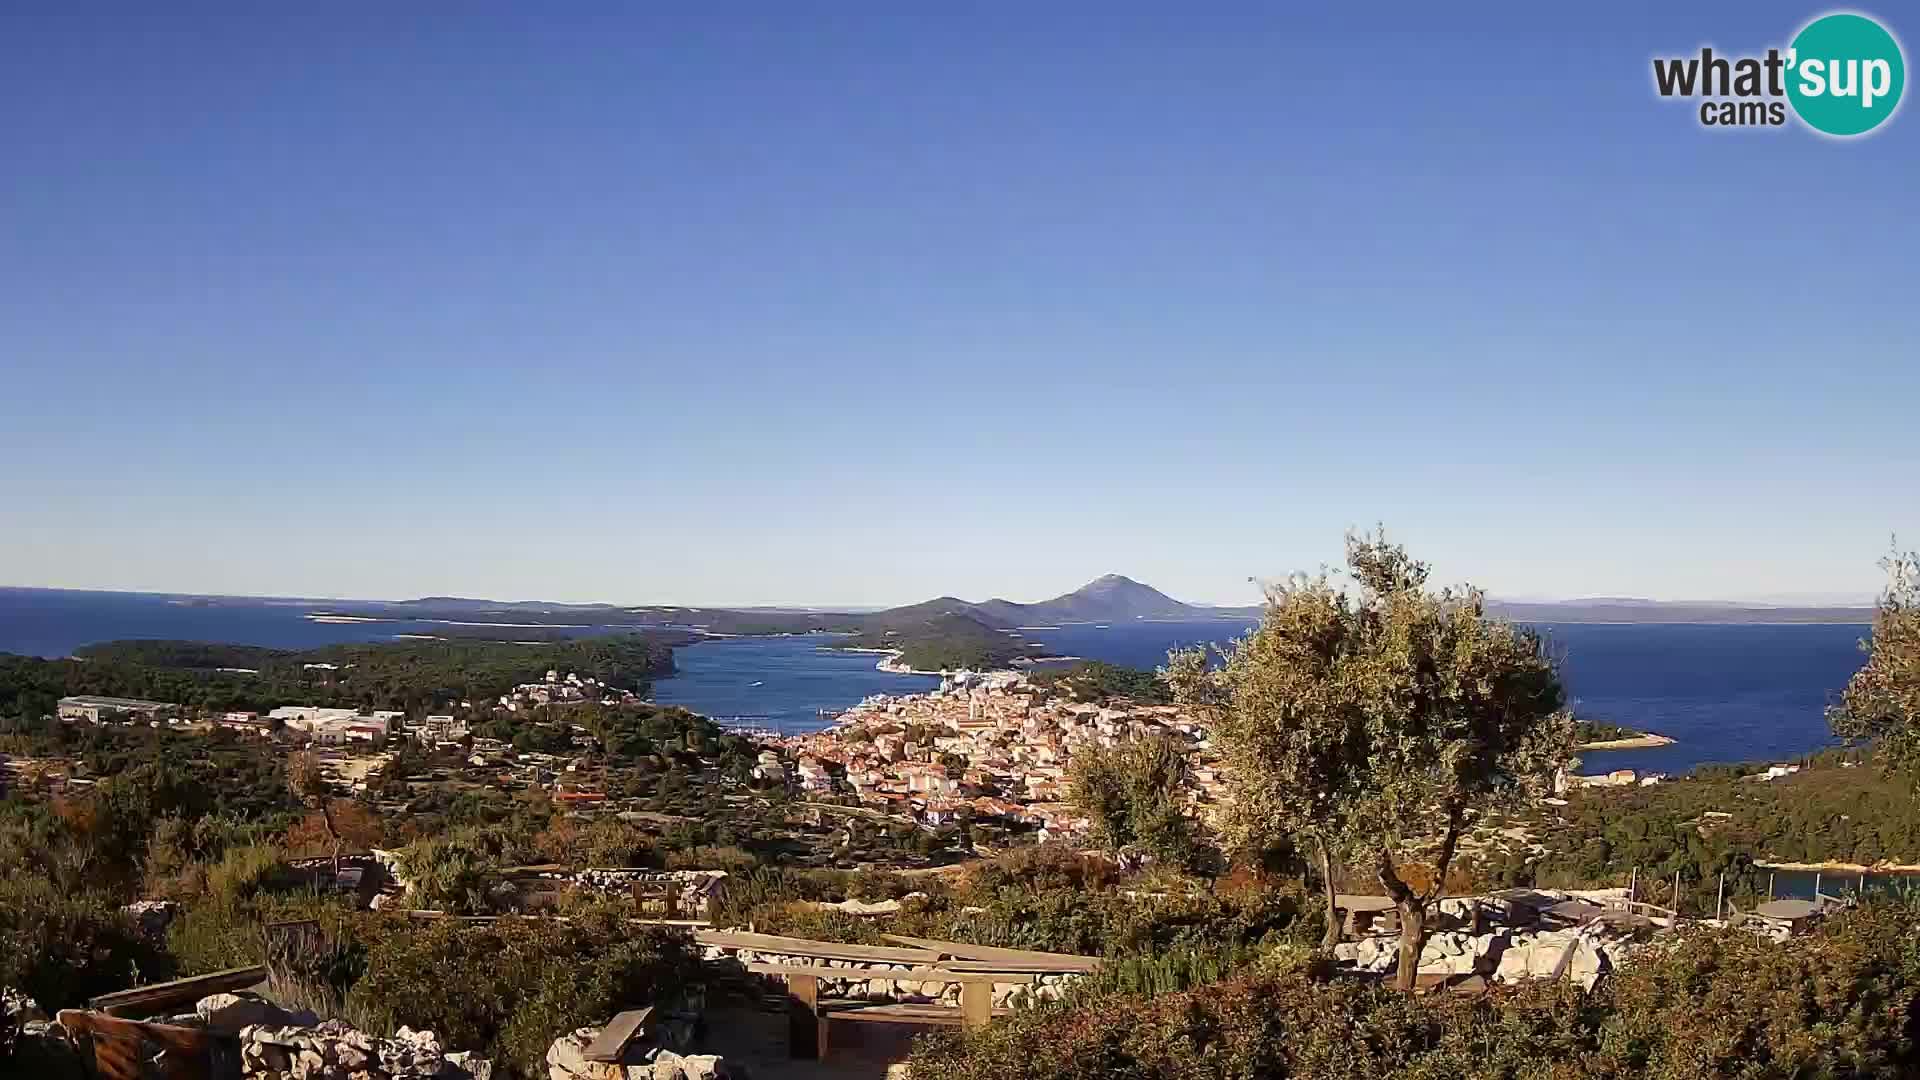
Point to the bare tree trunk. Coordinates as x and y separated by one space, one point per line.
326 812
1332 936
1413 941
1413 921
1413 906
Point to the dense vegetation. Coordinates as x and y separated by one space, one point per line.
414 675
1840 810
1589 731
1378 730
1132 793
1098 682
1371 709
1845 1002
1046 897
941 642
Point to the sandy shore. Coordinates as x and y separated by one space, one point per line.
1638 742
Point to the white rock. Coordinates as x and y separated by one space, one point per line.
668 1065
227 1014
411 1053
566 1058
15 1005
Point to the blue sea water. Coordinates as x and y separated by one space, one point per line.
1726 693
55 622
777 683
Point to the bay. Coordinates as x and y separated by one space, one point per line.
1724 692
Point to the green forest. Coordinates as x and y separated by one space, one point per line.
408 675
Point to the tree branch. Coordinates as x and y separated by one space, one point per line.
1390 878
1455 821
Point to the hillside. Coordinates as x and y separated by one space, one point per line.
1112 597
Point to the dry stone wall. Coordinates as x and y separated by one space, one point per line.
865 980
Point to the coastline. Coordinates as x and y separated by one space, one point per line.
1841 867
1645 741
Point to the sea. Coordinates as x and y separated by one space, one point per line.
1725 693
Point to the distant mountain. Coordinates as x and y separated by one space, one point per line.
1112 598
1116 598
1104 599
468 605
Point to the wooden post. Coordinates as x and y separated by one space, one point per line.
1676 894
1770 877
806 1029
1816 886
1720 897
1633 886
976 1005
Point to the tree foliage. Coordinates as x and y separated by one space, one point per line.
1882 701
1844 1002
1375 714
1132 791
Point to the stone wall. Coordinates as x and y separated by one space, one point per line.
334 1050
859 983
1512 948
645 1060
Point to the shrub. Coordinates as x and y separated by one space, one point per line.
1843 1002
62 947
510 989
451 871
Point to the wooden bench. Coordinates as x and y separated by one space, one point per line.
116 1048
163 997
809 1013
611 1044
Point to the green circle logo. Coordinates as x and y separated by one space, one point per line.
1845 74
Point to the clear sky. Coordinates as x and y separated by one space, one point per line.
854 307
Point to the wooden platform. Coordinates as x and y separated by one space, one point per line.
992 958
161 997
944 974
826 950
905 1012
611 1043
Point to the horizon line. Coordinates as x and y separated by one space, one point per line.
1866 603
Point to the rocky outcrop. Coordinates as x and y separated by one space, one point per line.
644 1060
31 1044
862 981
1587 953
693 890
1505 955
152 916
334 1050
227 1014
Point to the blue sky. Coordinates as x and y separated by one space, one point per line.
855 307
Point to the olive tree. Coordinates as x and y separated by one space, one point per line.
308 785
1133 793
1376 718
1882 701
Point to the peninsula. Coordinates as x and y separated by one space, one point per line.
1600 735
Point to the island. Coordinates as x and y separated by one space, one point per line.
1600 735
